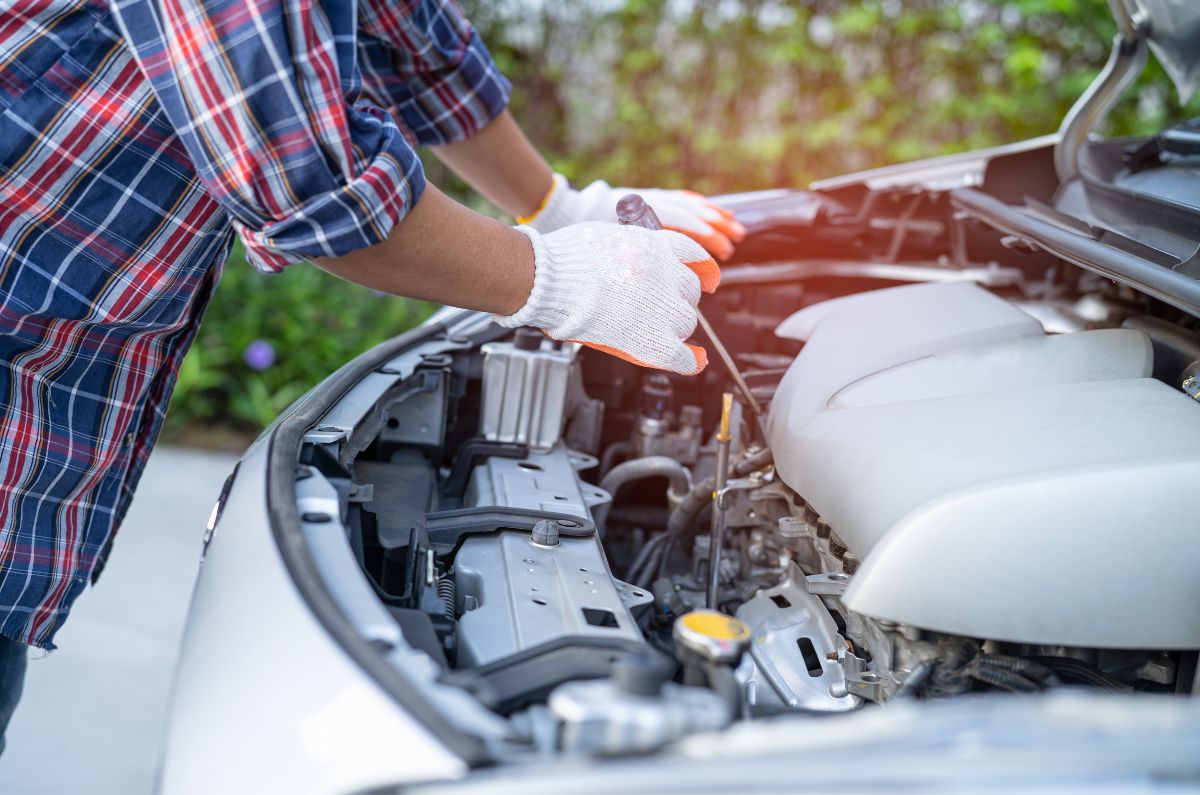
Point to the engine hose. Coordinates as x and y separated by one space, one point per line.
612 453
723 681
753 462
643 556
949 676
1000 678
1030 669
913 682
653 466
683 517
1078 671
656 564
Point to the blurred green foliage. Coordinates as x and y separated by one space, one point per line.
311 323
714 95
723 95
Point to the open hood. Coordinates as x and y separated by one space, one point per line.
1173 31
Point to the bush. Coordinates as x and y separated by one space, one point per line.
267 339
725 95
715 95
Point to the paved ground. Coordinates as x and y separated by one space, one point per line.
91 719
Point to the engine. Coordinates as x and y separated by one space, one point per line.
925 495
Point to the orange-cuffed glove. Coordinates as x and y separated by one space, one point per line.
711 226
624 290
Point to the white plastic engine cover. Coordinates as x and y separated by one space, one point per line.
994 481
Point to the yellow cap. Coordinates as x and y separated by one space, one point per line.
712 635
716 625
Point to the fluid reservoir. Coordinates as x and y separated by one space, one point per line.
525 390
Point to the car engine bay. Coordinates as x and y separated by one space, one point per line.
973 470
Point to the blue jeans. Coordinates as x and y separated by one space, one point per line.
13 655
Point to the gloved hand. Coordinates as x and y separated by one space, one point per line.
624 290
680 210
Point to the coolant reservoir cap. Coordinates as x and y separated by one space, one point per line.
713 636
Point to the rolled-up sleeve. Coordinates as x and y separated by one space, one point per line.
266 98
426 64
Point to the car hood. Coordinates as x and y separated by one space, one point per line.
1174 37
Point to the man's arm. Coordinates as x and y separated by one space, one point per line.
447 253
308 174
502 165
624 290
265 98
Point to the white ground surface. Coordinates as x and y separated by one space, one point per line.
91 720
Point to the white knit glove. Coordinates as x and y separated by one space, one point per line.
680 210
624 290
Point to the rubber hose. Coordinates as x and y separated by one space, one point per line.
683 518
684 514
1078 671
753 463
1005 680
949 677
653 466
1030 669
644 554
913 682
723 681
650 573
611 453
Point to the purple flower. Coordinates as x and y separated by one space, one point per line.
259 355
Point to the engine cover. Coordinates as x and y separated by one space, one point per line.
994 481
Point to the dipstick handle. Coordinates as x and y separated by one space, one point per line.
632 210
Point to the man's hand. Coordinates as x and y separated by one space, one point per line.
500 163
679 210
624 290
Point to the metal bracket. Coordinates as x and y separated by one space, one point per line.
753 481
827 584
1125 62
859 680
326 434
361 492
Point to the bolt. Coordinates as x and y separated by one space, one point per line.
545 534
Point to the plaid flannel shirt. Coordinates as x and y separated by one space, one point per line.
136 136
